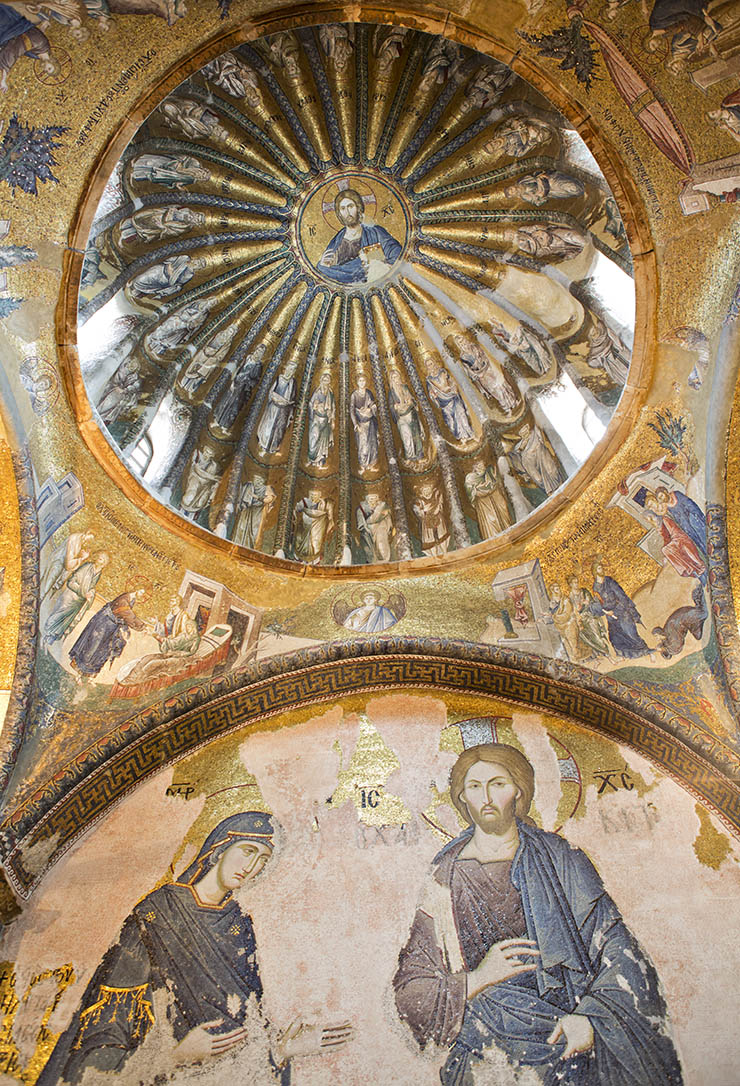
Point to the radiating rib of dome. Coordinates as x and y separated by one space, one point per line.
356 422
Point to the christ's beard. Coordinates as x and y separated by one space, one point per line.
497 822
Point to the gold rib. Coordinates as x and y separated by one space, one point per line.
360 351
343 95
491 235
418 104
482 199
457 118
486 272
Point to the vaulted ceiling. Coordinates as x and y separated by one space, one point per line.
382 346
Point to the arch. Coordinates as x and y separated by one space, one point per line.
80 794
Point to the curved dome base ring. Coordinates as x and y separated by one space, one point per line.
402 328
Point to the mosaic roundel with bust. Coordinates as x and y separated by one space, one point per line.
355 295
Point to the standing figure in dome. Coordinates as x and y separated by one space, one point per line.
388 45
484 372
543 240
314 522
231 74
363 411
440 63
178 328
358 253
486 88
208 358
173 171
375 525
193 118
120 391
406 416
446 395
255 502
277 416
532 457
518 136
192 941
338 42
157 223
529 349
286 53
488 498
321 417
169 277
430 512
607 353
203 477
538 188
237 395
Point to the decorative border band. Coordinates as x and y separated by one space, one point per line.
83 791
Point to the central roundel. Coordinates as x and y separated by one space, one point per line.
353 229
355 295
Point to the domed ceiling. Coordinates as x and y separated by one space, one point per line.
355 295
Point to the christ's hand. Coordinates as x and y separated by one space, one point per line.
577 1033
329 260
200 1045
307 1039
504 960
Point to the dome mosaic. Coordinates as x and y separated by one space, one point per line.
355 295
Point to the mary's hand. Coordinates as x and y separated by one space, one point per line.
577 1032
308 1039
504 960
200 1045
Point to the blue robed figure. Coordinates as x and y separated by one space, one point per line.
188 946
346 258
204 954
622 616
516 946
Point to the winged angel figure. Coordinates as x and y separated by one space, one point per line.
369 613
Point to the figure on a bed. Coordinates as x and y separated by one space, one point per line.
178 634
359 253
185 649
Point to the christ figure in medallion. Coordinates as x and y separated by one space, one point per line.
359 252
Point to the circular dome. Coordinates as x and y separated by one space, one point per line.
355 295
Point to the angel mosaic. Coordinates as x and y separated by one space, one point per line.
369 611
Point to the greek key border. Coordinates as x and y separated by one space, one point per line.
88 786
